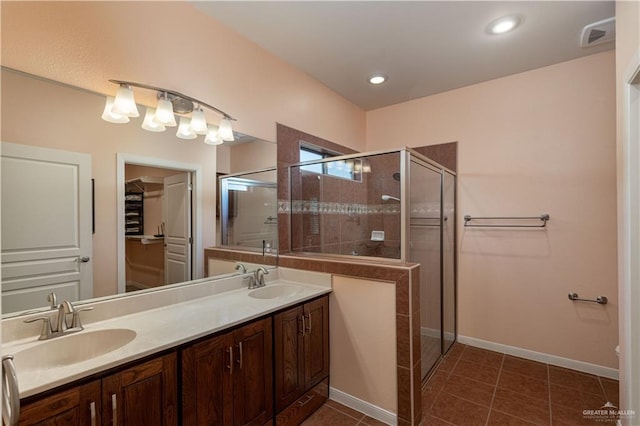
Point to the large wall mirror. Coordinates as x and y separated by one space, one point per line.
56 146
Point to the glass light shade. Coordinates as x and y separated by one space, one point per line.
110 116
164 113
184 132
124 104
149 124
225 132
212 137
199 122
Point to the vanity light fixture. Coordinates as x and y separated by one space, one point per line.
377 79
503 25
193 121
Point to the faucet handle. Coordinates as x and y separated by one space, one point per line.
241 267
45 332
75 322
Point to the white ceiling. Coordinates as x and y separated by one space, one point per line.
425 47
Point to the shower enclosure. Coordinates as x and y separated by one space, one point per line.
248 211
394 205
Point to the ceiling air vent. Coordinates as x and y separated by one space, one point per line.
598 33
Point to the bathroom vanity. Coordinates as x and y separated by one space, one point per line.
222 354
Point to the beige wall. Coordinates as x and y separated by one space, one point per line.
627 61
363 340
86 43
537 142
55 116
173 45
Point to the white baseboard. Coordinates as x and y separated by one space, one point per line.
363 406
585 367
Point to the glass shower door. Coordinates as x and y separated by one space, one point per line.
425 248
448 260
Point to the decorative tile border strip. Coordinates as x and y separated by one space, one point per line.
321 207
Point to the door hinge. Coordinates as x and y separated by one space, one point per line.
190 240
190 187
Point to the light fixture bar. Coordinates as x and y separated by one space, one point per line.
174 93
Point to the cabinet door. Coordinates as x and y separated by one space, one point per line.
143 395
76 406
207 393
253 374
289 356
316 341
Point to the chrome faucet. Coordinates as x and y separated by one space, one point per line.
60 325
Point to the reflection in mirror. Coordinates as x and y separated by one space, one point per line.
248 213
69 124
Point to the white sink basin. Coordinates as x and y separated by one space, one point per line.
73 348
275 290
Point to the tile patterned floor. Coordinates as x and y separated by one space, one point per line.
335 414
474 386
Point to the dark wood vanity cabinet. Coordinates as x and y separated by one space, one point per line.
80 406
142 395
228 379
301 336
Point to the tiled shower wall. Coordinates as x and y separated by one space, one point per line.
337 216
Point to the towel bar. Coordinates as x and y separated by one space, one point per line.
600 299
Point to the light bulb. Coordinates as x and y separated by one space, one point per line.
377 78
110 116
124 104
225 132
149 124
164 112
212 137
503 25
183 129
199 122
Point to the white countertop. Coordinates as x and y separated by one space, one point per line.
164 327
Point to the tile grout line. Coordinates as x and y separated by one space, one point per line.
495 390
348 415
447 375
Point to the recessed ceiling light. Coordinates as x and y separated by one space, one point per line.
377 78
503 25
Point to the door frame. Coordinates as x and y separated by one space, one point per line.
629 237
197 260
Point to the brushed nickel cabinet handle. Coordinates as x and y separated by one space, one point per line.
230 366
92 409
301 317
114 409
240 354
309 325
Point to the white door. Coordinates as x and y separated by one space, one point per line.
177 238
46 226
